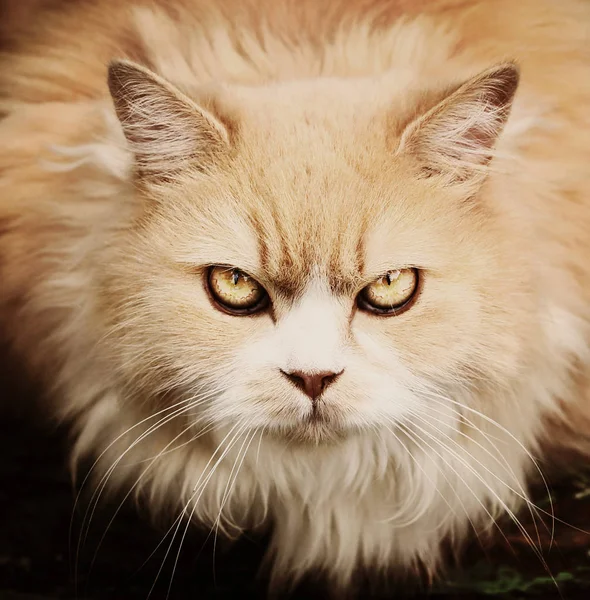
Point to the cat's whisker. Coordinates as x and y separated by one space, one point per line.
141 476
232 478
175 526
173 407
160 423
210 427
122 435
262 431
420 444
264 500
463 419
198 491
189 404
396 516
179 518
231 482
416 436
537 550
532 507
494 423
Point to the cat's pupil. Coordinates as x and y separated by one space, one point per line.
235 277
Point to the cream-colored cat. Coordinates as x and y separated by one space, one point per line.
320 265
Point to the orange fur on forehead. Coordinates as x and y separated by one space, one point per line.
310 173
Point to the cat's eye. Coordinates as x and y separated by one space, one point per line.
391 294
236 292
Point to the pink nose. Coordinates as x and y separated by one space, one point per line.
313 384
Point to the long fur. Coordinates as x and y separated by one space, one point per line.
436 423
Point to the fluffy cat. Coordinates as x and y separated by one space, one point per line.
317 265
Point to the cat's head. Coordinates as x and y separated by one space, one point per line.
316 258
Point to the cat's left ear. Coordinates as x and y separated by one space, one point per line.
456 138
166 130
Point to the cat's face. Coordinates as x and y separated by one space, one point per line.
312 281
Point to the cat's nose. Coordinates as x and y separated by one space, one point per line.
313 384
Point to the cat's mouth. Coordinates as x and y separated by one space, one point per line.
320 425
317 418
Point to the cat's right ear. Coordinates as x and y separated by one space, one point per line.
456 138
165 129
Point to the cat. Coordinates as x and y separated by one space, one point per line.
315 266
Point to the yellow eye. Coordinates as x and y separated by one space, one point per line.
235 291
390 293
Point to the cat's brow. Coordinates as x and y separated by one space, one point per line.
291 278
294 246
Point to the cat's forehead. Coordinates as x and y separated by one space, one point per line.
312 123
298 241
288 226
315 191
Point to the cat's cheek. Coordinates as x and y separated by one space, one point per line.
385 387
434 339
249 405
254 390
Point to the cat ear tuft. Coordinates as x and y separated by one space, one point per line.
456 138
165 129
